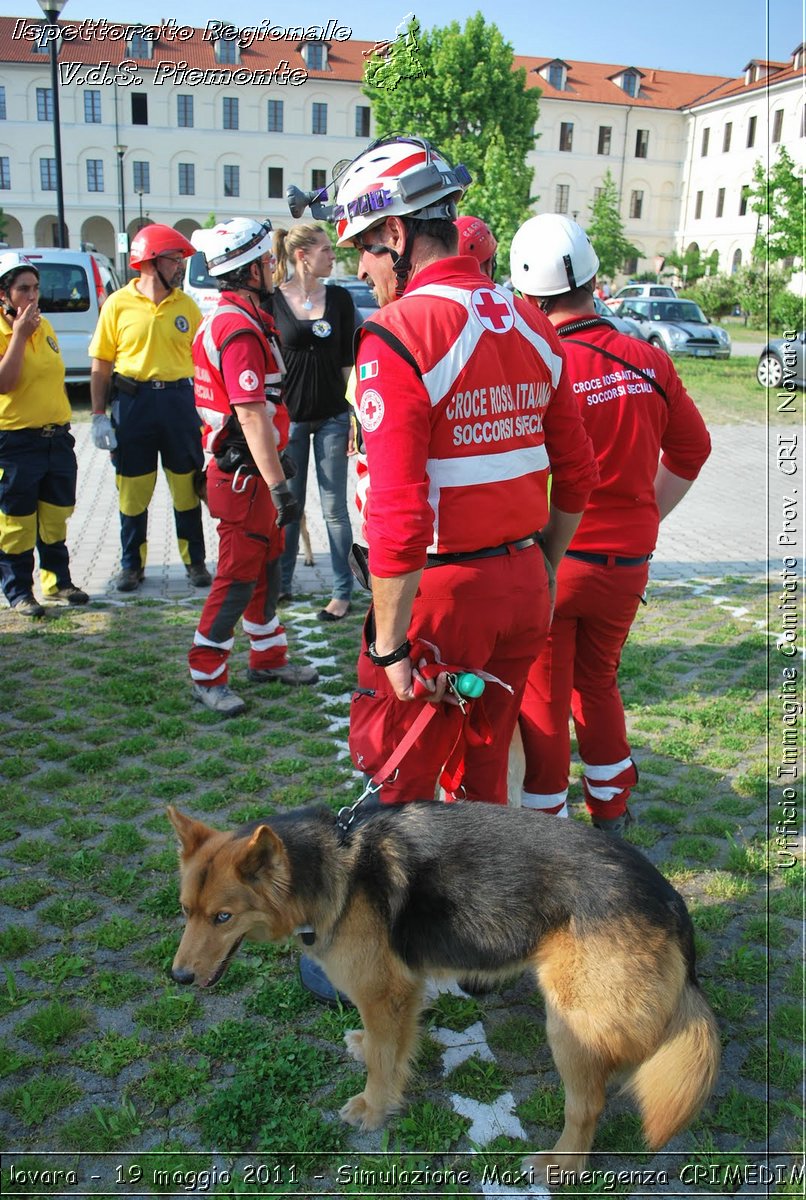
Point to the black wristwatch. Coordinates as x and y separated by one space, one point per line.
386 660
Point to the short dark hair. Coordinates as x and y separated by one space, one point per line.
438 229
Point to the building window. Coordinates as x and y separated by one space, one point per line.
605 135
318 180
276 183
139 108
232 181
727 135
706 137
557 76
95 175
698 207
275 116
40 46
2 104
598 192
802 120
5 174
230 112
187 179
140 46
777 124
630 83
566 136
141 177
744 199
315 59
736 262
720 202
641 143
227 50
44 104
562 194
47 174
184 111
751 132
362 120
630 266
636 204
319 119
92 108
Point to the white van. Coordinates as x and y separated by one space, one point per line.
199 285
73 285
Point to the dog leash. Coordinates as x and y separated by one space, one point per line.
465 686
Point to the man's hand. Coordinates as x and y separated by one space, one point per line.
284 502
28 319
408 684
103 433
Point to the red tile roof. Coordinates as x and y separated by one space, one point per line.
594 83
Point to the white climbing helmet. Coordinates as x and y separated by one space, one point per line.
551 254
232 244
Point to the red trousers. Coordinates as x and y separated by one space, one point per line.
577 671
246 584
490 614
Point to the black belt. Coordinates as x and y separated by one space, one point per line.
608 560
49 430
440 560
129 387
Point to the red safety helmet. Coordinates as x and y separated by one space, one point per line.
154 240
476 238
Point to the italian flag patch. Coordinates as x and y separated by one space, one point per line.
368 370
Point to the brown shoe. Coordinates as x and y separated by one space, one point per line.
292 674
198 575
129 579
28 606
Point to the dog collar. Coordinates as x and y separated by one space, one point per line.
307 933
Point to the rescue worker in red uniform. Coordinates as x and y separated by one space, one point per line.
463 401
476 238
238 387
650 443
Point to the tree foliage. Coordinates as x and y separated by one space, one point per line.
606 230
457 87
690 264
778 198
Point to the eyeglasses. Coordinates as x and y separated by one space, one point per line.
176 259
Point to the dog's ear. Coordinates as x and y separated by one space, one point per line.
260 852
191 833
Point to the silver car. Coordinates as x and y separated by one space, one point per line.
619 324
678 326
783 363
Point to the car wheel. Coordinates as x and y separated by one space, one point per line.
770 371
656 341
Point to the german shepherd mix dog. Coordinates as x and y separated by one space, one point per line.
458 890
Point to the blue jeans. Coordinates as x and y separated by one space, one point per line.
330 456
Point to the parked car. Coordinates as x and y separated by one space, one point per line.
678 326
73 284
636 290
198 284
783 360
621 324
362 294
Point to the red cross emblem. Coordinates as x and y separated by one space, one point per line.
492 310
372 410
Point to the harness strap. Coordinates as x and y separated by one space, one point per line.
394 343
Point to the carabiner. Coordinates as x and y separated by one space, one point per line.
237 478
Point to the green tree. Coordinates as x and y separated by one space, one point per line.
761 287
715 294
3 225
690 265
778 198
457 87
606 230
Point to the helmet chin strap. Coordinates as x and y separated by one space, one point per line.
168 286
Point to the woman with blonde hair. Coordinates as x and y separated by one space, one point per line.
316 325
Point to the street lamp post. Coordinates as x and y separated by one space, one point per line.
141 221
52 9
120 151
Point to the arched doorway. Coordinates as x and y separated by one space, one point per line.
12 234
99 233
45 231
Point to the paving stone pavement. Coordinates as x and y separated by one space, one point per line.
720 528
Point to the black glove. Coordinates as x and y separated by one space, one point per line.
288 465
285 503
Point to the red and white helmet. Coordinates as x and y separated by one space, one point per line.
12 264
550 255
232 244
400 177
476 238
153 240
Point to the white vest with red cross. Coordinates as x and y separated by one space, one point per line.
489 374
223 325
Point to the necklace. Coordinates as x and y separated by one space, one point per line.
307 302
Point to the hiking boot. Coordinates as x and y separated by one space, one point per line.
291 674
67 595
198 575
219 699
129 579
614 826
315 981
28 606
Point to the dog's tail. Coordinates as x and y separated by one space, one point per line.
672 1085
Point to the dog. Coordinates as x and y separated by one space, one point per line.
458 890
